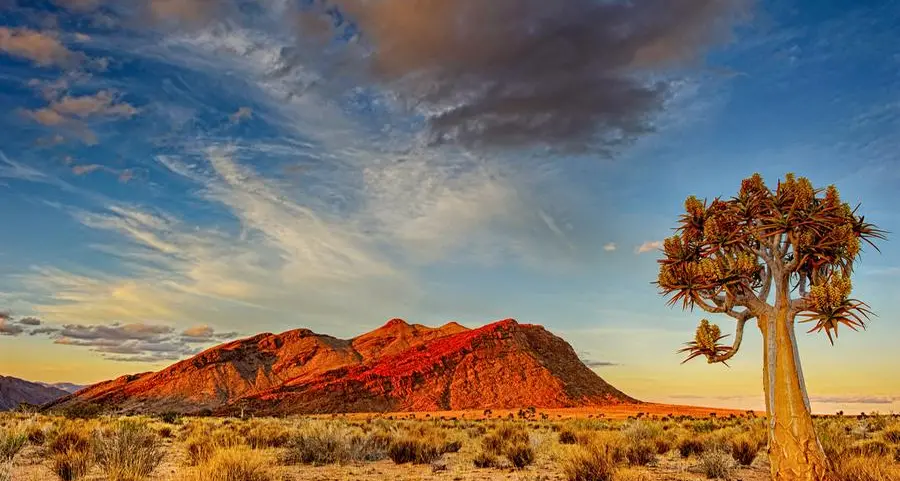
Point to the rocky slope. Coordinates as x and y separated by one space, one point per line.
14 391
398 367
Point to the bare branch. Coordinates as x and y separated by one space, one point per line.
738 337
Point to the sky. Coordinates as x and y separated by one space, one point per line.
175 173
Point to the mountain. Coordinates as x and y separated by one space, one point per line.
65 386
14 391
397 367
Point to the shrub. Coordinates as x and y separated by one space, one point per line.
484 459
861 468
69 437
35 433
892 435
520 454
72 464
82 411
235 464
267 435
640 453
130 452
744 448
716 464
452 446
413 450
170 417
663 445
567 436
690 445
330 444
589 463
11 442
201 443
704 426
871 448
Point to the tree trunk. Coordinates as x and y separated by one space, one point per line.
794 450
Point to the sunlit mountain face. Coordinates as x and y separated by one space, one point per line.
178 173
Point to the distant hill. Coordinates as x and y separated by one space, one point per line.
65 386
14 391
398 367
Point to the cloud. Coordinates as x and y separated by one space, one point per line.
242 114
30 321
532 72
190 11
856 399
9 329
201 332
73 113
132 342
648 246
610 247
85 169
43 49
594 363
204 333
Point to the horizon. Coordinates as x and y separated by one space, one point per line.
174 176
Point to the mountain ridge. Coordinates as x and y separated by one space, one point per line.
396 367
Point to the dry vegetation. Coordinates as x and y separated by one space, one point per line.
529 446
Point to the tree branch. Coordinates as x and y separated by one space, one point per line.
742 318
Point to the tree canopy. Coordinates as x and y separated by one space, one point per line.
727 256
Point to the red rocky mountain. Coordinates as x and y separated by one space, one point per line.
397 367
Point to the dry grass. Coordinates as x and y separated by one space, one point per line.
130 451
11 442
376 448
234 464
594 462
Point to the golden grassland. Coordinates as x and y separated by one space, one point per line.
523 445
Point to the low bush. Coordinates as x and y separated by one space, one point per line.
716 464
593 462
235 464
129 452
11 442
520 454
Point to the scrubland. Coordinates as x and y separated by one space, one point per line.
529 445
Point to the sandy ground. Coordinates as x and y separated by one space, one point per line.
30 467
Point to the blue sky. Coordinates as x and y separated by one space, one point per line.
172 175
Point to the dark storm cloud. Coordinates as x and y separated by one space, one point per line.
527 72
567 74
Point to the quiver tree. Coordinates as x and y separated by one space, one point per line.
776 256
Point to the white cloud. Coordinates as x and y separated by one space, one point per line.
648 246
610 247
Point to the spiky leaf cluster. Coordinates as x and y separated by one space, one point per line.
706 343
728 253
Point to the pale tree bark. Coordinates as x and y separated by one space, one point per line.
794 450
